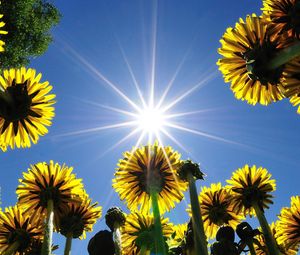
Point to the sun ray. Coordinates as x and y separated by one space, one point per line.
96 129
171 82
131 73
153 53
204 134
124 139
191 90
99 75
183 114
172 138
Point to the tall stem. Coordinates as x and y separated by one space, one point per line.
47 243
198 228
285 56
159 239
68 244
12 248
144 250
270 241
117 240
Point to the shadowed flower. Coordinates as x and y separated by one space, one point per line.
44 182
216 209
151 168
2 32
288 226
77 218
284 16
35 247
247 50
261 248
18 230
25 107
251 186
139 231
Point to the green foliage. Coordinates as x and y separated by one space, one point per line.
28 24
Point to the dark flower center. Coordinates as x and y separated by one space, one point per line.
15 102
152 177
48 193
252 195
21 236
72 223
218 214
257 61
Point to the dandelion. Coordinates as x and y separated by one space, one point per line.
18 230
251 187
216 209
288 227
25 107
2 24
139 234
45 189
73 220
247 50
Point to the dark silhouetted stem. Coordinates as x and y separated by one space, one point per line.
68 244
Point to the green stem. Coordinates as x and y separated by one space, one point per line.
285 55
159 239
117 240
12 249
68 244
251 247
143 250
198 228
269 239
47 243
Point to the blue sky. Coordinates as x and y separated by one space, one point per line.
93 37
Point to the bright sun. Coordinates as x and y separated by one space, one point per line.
151 120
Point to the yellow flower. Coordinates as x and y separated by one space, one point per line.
139 230
216 209
26 107
288 227
16 226
45 181
284 16
2 32
247 50
77 218
178 236
262 249
251 186
147 169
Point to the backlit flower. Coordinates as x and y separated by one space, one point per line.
2 24
16 226
288 227
251 186
25 107
151 168
77 218
138 231
284 16
247 50
45 181
216 209
295 101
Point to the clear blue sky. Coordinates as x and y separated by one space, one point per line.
188 33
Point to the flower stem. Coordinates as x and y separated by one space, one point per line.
143 250
198 228
117 240
251 247
285 55
159 239
12 248
68 244
269 239
47 243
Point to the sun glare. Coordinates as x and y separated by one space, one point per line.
151 120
